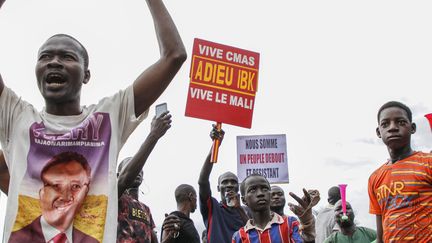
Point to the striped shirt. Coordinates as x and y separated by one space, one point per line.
280 229
401 193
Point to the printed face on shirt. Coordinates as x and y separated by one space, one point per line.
257 193
338 210
60 69
394 128
65 188
277 197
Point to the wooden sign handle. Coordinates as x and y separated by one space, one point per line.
215 147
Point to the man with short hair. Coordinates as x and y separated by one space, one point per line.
325 221
98 131
277 200
268 226
135 221
186 199
277 205
66 180
349 231
400 190
223 218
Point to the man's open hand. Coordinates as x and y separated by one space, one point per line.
304 209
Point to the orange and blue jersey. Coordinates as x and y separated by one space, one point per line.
401 193
280 229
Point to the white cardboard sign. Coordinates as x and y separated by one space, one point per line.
263 154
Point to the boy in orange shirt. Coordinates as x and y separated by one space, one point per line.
400 191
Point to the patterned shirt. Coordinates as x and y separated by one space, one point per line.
135 223
401 193
280 229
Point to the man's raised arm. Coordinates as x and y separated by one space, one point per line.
127 175
203 181
154 80
204 178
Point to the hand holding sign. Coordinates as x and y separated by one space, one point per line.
217 135
216 143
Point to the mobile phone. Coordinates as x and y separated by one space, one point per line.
161 108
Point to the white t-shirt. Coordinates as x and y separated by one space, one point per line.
325 223
30 139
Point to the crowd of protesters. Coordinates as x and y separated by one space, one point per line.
253 210
69 182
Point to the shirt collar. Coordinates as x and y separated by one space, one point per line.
50 232
329 206
276 219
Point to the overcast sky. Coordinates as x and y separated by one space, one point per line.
325 69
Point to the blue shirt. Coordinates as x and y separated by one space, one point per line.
220 220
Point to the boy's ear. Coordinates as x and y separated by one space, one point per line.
378 132
244 201
413 128
218 188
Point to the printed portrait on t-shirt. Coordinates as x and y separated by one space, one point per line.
64 188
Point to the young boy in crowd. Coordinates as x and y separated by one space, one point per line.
400 191
268 225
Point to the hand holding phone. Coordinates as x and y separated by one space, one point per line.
161 108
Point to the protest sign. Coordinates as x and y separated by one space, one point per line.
263 154
429 117
223 83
